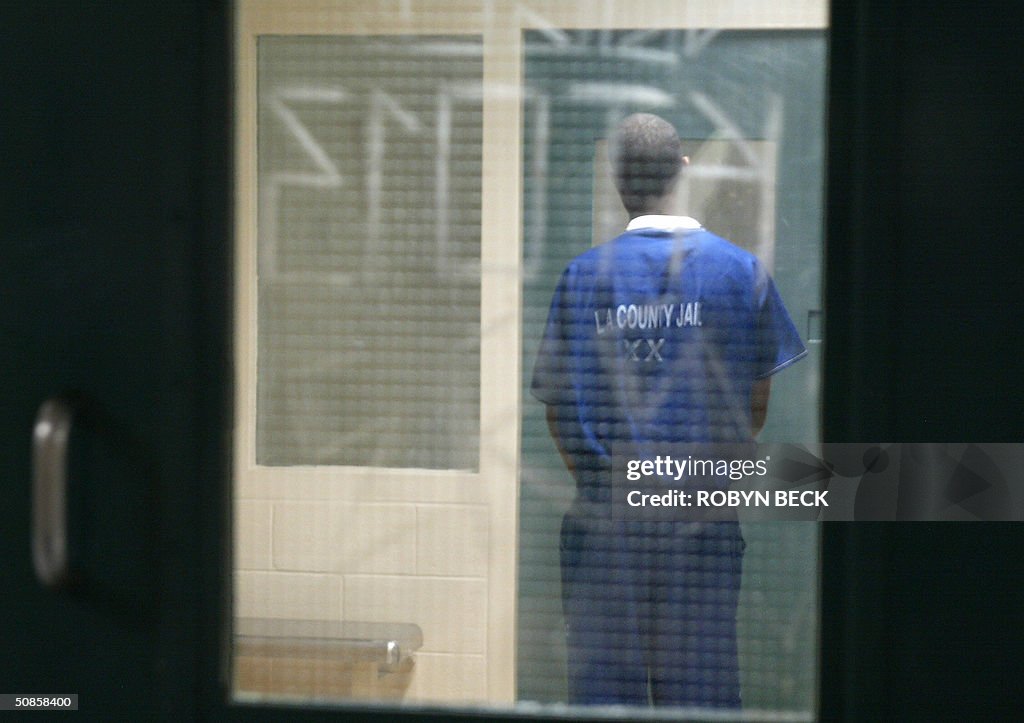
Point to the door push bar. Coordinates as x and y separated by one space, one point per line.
50 441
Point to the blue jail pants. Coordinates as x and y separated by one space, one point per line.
650 610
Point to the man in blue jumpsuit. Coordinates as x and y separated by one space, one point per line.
664 334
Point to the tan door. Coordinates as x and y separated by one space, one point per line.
377 323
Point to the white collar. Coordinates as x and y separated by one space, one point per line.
664 223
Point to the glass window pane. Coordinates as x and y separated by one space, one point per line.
423 433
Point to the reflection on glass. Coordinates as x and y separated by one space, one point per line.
420 174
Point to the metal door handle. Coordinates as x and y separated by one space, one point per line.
50 440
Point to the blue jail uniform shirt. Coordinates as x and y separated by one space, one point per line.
658 336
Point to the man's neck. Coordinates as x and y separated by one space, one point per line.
649 212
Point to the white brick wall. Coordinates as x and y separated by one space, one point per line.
415 562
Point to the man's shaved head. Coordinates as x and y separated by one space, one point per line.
646 159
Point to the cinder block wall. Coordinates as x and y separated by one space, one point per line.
422 563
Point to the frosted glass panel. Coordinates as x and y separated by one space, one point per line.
369 250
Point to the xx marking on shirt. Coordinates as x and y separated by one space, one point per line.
653 349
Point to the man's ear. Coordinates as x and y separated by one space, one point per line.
686 160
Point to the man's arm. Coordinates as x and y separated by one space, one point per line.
759 404
551 411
